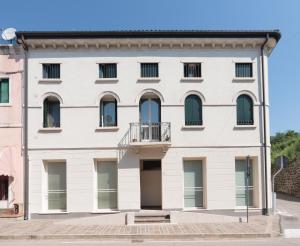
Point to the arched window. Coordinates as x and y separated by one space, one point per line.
193 110
108 112
244 110
51 112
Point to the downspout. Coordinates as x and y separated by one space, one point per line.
266 209
25 131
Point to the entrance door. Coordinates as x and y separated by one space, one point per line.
150 180
4 181
150 119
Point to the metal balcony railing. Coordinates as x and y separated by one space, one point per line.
150 132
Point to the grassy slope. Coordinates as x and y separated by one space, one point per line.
287 144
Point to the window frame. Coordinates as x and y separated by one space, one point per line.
101 112
196 126
150 77
48 63
45 176
193 77
237 122
9 103
244 79
54 128
107 63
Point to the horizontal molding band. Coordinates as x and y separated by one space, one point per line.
135 106
171 147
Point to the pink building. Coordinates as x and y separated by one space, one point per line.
11 160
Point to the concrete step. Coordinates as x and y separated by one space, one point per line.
151 217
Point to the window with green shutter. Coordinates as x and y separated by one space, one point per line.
244 108
193 110
4 91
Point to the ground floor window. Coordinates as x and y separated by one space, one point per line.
57 187
193 183
107 184
241 182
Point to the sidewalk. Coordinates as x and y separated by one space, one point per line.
258 227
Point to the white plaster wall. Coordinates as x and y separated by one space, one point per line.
219 143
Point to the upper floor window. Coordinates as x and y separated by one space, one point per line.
244 108
4 91
51 71
108 70
192 70
149 70
243 70
193 110
108 112
51 112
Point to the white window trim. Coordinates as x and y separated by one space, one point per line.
191 79
148 79
245 79
49 80
106 80
45 208
10 101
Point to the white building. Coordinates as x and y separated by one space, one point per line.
147 119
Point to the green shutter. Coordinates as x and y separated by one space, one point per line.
193 110
4 91
244 110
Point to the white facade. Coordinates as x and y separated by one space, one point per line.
80 142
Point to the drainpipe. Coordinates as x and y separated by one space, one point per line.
25 131
266 208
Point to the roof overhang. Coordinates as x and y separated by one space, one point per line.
148 39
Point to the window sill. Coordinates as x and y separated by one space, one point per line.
5 104
107 128
150 79
244 127
191 79
53 212
106 80
193 127
50 129
50 81
243 79
106 211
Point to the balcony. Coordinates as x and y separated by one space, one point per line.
150 134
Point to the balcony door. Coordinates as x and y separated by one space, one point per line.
150 118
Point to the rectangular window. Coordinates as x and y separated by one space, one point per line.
241 182
57 186
149 70
193 184
243 70
4 91
107 184
192 70
51 71
108 70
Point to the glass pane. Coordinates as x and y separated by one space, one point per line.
241 182
144 111
57 186
57 201
243 70
192 70
149 70
192 198
193 183
4 91
107 200
108 70
51 71
109 113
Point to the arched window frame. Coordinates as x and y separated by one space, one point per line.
51 112
106 101
244 110
197 117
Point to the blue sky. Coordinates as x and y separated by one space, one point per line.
182 14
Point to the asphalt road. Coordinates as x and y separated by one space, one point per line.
263 242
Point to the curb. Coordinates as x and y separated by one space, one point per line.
137 236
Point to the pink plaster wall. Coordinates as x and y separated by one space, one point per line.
11 67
